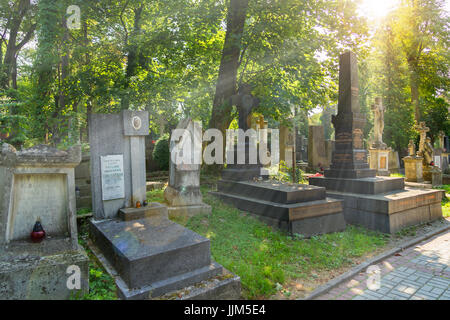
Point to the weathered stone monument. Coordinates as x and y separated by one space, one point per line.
440 158
287 145
426 151
413 164
243 170
378 203
379 152
38 184
183 193
297 209
394 162
147 254
317 155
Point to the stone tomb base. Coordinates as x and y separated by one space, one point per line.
388 211
40 271
189 211
150 256
297 209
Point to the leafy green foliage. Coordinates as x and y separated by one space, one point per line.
161 153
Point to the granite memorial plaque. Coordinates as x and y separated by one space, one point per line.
113 182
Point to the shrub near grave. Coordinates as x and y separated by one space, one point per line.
161 153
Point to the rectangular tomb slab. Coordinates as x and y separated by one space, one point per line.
149 250
293 218
274 191
367 186
392 211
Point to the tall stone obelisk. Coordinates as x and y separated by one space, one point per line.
350 157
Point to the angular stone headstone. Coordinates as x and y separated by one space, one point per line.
183 193
317 156
39 184
287 145
350 157
117 146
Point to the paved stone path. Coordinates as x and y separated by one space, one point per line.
421 272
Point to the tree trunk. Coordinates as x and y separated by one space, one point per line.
132 56
226 81
415 96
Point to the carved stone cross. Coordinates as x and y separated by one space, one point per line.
245 103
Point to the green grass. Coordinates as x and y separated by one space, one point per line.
397 175
83 211
101 285
156 195
265 259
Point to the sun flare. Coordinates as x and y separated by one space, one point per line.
377 9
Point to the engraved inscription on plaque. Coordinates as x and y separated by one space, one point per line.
383 162
113 182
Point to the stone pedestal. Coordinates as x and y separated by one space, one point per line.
379 161
183 193
243 172
413 169
39 183
436 176
297 209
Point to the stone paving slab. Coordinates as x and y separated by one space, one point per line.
421 272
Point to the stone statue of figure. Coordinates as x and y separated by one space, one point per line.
428 152
411 148
423 129
441 140
378 127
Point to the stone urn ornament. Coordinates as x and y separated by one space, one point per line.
38 233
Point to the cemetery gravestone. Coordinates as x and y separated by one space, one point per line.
287 145
378 203
245 103
317 156
38 184
413 164
148 255
297 209
379 152
183 193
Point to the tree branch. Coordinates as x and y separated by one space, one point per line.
27 37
